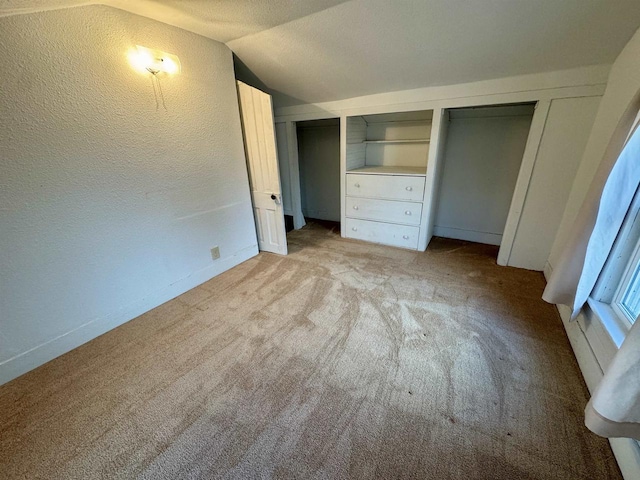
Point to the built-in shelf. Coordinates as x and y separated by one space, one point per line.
416 140
384 170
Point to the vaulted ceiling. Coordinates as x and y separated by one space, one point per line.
321 50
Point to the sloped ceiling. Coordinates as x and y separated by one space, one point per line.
371 46
221 20
320 50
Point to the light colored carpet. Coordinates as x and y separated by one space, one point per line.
342 360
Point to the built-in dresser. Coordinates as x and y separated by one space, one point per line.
386 164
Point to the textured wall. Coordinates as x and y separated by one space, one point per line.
109 207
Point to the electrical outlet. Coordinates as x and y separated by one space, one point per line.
215 253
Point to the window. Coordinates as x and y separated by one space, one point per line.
626 301
616 296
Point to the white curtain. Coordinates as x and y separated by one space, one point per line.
615 201
614 408
600 217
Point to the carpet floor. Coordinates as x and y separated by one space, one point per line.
342 360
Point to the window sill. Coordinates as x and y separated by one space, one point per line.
613 325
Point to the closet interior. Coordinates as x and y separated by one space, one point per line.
319 164
483 151
405 177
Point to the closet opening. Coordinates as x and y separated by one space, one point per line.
319 167
484 147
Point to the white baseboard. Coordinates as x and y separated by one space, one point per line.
321 215
547 270
26 361
469 235
626 450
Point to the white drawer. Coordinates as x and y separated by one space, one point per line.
404 236
391 187
384 210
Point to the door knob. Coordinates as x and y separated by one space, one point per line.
409 189
407 212
355 207
276 198
354 229
406 237
357 185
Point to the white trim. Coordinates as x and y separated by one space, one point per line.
622 250
469 235
318 112
623 287
435 170
26 361
432 177
534 139
594 350
626 450
294 175
587 361
578 82
613 326
343 176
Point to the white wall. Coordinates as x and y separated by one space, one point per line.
109 207
623 83
483 153
319 160
591 344
564 139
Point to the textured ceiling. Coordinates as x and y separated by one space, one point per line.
230 19
221 20
371 46
16 7
320 50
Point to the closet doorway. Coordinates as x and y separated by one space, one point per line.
319 166
483 154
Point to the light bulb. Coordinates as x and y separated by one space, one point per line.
145 60
169 66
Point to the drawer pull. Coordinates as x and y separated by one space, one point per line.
406 237
355 207
357 185
355 229
409 189
407 212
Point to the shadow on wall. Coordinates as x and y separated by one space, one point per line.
244 74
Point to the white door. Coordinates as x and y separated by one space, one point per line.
256 112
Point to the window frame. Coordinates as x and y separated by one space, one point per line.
616 274
632 271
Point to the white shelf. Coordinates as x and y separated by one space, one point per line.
416 140
382 170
